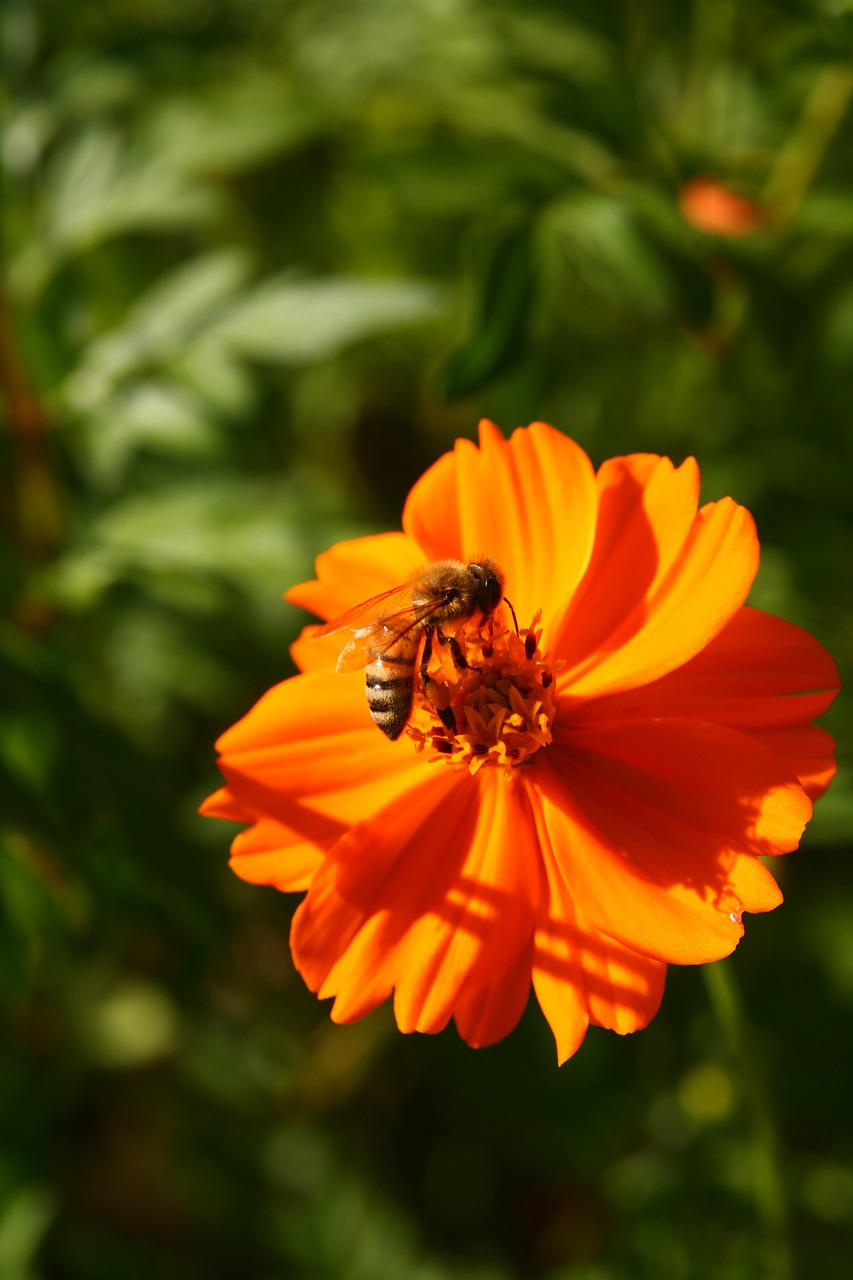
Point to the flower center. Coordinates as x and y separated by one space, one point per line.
497 710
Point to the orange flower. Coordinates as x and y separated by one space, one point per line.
581 803
711 207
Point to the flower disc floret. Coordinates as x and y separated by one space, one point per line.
498 710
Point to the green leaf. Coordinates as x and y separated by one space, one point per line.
607 249
159 327
235 126
506 291
298 321
257 534
25 1218
98 190
151 417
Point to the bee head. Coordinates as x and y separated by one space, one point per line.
489 582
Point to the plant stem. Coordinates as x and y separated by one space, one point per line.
798 159
33 509
768 1181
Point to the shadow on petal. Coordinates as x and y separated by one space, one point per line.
442 901
656 828
609 605
435 895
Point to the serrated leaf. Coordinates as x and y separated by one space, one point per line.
98 190
295 322
156 417
256 534
233 128
159 326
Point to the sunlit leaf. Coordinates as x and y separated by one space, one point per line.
247 531
25 1217
300 320
147 416
237 126
99 191
159 327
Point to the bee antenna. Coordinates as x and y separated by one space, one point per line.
512 611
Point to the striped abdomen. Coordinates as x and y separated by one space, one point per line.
390 682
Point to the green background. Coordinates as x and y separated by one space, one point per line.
261 264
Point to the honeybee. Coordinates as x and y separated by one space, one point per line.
391 629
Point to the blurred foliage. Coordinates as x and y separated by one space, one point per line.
260 263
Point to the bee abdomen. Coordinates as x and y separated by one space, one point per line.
389 697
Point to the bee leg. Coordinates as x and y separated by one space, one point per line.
455 649
426 655
445 714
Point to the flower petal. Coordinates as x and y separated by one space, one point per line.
347 574
759 672
808 751
352 571
434 897
646 509
267 852
760 675
509 500
308 757
221 804
485 1014
655 826
270 853
660 586
558 957
581 976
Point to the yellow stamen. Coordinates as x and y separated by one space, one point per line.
498 710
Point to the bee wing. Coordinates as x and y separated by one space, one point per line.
370 642
362 615
376 625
